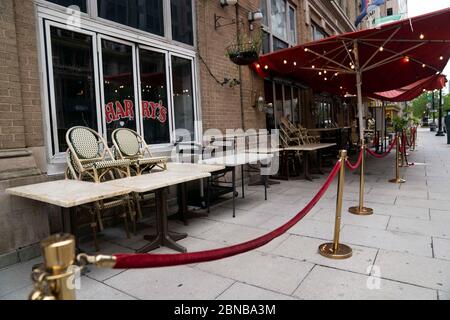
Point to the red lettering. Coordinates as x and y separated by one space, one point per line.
154 107
110 115
129 109
120 111
146 109
162 114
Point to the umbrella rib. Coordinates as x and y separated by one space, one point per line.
413 59
328 59
377 51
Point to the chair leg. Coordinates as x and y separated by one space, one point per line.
137 203
94 229
98 214
125 222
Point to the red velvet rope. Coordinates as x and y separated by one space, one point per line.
355 166
140 261
381 156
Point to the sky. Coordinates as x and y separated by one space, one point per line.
418 7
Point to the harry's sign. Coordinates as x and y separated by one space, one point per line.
115 111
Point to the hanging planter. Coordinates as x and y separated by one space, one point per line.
245 51
243 54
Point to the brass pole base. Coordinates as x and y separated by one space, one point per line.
399 180
343 251
361 211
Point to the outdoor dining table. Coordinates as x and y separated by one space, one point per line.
69 194
159 182
231 162
306 149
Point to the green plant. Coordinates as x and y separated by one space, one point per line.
246 50
399 123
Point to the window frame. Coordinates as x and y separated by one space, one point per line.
52 135
53 14
268 28
92 12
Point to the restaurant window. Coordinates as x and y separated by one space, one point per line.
182 26
72 90
155 111
106 83
390 12
324 113
118 86
279 24
67 3
183 95
317 32
286 103
146 15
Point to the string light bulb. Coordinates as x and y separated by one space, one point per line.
295 63
422 36
441 58
313 66
285 61
381 49
266 67
423 65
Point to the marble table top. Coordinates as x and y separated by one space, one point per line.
311 147
264 150
68 193
190 167
238 159
159 180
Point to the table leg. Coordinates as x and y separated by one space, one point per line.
184 214
243 184
234 191
163 237
306 173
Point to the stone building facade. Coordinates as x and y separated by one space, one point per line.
184 42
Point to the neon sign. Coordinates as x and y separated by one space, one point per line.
115 111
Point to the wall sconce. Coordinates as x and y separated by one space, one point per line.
254 17
224 3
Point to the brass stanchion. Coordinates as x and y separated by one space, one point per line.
397 167
337 250
360 209
54 280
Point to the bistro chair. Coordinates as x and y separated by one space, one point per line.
91 156
129 145
87 161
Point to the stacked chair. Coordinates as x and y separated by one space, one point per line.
130 146
90 159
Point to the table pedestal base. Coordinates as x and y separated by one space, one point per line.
163 237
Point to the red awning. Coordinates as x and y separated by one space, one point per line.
390 57
412 91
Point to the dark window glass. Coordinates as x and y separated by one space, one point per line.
183 98
287 107
67 3
265 42
118 81
154 97
268 94
278 44
318 33
146 15
296 106
74 83
390 12
278 108
182 29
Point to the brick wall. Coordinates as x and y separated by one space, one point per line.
20 106
12 126
221 105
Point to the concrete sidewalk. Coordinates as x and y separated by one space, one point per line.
401 252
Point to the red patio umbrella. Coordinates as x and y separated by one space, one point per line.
369 61
412 91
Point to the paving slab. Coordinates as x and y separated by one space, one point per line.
387 239
331 284
306 249
178 283
413 269
427 228
441 248
267 271
242 291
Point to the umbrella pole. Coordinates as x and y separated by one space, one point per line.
360 209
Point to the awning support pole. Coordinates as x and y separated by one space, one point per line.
360 209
